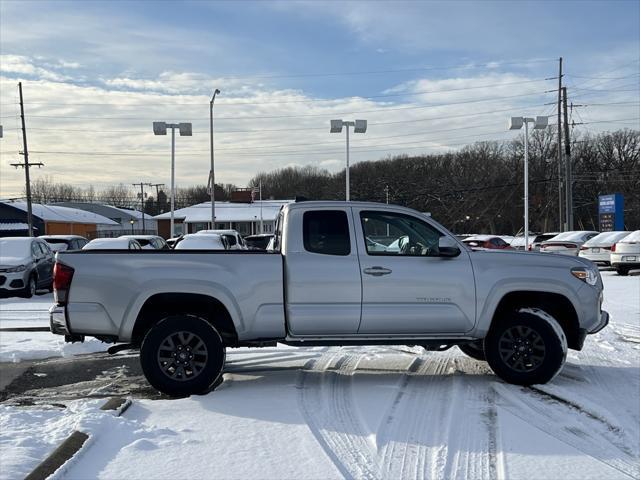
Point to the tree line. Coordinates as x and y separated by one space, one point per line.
480 188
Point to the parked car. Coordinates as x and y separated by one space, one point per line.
201 241
26 264
567 243
173 241
258 242
149 242
625 254
598 249
536 240
323 286
112 244
233 238
487 242
59 243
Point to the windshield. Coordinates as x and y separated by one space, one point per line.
633 237
20 248
606 238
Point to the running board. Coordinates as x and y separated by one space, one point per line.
430 343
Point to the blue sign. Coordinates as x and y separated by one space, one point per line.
611 212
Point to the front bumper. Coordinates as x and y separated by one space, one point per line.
583 332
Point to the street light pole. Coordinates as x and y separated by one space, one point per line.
160 128
212 176
359 126
516 123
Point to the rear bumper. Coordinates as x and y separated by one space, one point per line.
58 320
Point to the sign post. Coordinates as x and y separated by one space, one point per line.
611 212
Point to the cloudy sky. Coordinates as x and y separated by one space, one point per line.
428 76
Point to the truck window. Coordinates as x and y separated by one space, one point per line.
326 232
388 233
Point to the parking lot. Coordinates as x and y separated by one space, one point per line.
354 412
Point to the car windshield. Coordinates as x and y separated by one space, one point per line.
569 236
606 238
56 240
15 248
632 237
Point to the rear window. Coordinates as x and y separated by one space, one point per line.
633 237
326 232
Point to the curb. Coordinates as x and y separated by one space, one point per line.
73 443
25 329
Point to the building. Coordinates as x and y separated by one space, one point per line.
243 217
52 219
127 219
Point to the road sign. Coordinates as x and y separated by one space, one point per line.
611 212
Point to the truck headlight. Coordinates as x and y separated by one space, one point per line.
585 274
19 268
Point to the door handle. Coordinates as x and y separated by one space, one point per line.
377 271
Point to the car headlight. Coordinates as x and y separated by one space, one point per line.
19 268
585 274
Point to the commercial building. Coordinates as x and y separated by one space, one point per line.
127 219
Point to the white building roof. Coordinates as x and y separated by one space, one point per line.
134 213
228 212
55 213
13 226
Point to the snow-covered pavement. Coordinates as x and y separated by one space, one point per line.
366 412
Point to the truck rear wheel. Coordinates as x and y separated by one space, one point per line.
526 347
182 355
474 350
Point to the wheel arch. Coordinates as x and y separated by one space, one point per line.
161 305
555 304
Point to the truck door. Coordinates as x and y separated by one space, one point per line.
407 288
323 289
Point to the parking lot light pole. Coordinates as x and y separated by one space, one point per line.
212 176
359 126
516 123
160 128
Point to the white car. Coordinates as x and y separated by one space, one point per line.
202 241
149 242
233 238
625 254
112 244
61 243
598 249
567 243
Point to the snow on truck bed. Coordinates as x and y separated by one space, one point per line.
366 412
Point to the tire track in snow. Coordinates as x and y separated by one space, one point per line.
585 431
326 403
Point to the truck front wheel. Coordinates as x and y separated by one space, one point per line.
182 355
526 347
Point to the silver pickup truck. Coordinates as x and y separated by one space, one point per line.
339 273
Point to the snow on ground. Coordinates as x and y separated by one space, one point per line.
367 412
34 312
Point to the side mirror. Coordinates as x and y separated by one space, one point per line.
449 252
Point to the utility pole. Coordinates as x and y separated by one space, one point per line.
567 151
142 185
212 174
26 164
560 229
157 185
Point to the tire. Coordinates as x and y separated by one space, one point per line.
31 288
185 339
622 271
474 350
526 347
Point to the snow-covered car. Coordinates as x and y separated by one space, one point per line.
536 240
233 238
567 243
26 264
598 249
259 241
59 243
625 254
322 285
197 241
112 244
149 242
487 242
